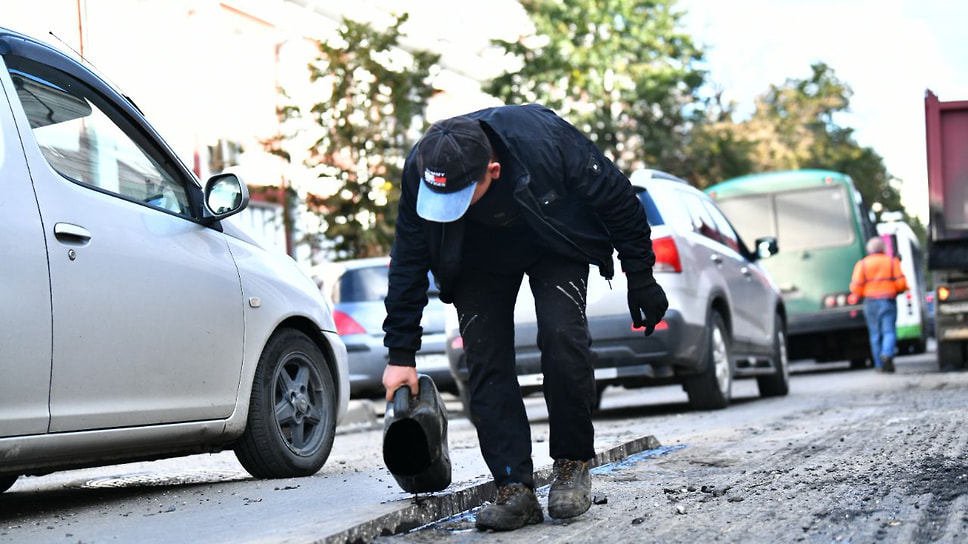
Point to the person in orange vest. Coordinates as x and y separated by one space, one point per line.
877 279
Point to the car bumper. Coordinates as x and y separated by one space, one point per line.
367 358
623 356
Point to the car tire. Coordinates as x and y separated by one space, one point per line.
859 363
713 388
778 383
464 394
6 482
292 412
599 393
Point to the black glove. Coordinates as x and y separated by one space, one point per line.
646 297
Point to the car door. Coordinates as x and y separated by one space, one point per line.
147 304
723 263
25 325
752 292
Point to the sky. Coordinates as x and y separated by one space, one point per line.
888 51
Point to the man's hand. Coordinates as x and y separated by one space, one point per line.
395 377
650 300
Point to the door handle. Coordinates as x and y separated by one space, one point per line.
716 258
746 271
72 234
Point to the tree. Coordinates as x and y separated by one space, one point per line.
373 93
620 70
794 126
716 148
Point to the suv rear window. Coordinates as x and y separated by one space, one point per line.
364 284
370 284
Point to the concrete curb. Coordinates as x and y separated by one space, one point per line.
430 508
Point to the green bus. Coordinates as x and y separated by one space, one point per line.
821 226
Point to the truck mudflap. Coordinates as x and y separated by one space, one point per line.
951 318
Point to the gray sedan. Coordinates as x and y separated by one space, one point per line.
357 289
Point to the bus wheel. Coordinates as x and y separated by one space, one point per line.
858 364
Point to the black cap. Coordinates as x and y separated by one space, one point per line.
452 157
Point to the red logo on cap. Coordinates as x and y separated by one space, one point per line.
436 179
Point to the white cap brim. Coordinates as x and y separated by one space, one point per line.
443 207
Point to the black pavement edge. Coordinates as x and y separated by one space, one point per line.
435 507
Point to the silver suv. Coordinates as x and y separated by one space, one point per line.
726 318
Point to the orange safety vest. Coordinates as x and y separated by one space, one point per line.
878 276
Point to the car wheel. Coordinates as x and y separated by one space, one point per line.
464 394
6 482
713 388
292 412
859 364
599 393
778 383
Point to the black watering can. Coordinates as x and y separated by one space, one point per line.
415 439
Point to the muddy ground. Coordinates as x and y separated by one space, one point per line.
850 456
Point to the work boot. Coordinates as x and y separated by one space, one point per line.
887 362
515 507
571 489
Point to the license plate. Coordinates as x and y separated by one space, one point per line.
432 360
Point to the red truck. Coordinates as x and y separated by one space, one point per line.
946 125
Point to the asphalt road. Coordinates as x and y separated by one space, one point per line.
848 456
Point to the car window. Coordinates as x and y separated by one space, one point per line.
651 211
370 284
86 140
726 233
702 221
363 285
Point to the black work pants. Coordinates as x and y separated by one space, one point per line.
485 297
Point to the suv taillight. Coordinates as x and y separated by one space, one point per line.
666 255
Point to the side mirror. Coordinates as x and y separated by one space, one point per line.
766 247
225 195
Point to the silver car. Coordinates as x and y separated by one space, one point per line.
357 289
137 322
726 318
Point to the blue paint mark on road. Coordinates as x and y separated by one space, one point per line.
632 459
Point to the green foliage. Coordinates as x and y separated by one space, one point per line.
372 92
374 96
715 148
621 71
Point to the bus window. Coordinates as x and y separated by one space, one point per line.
752 215
813 218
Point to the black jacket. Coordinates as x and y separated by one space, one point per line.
574 198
